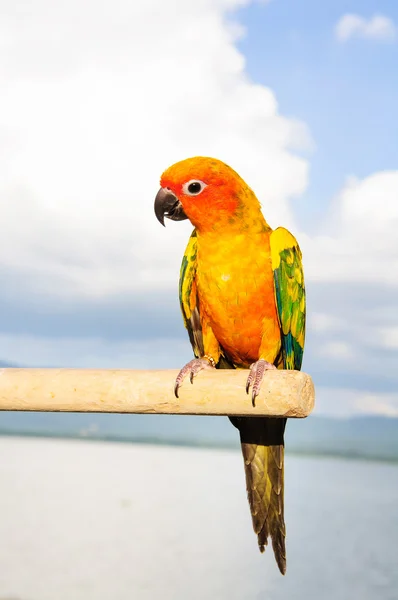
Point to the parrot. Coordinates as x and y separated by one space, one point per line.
242 298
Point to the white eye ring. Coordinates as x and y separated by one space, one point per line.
193 187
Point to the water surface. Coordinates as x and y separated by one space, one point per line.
102 521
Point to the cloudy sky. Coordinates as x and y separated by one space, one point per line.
97 99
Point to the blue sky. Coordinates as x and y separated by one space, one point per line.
346 93
303 106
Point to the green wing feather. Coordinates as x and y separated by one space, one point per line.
289 295
188 296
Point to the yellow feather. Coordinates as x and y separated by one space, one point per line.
281 239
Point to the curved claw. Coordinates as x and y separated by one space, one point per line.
192 368
256 376
250 378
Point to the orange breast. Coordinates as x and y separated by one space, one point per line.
236 293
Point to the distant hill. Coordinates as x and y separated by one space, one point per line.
365 437
6 365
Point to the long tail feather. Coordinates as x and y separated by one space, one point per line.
263 453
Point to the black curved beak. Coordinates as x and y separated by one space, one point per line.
168 205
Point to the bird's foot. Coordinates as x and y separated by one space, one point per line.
256 376
193 368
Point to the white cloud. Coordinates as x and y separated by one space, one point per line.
377 27
388 337
91 116
358 242
339 351
325 323
94 353
96 102
345 402
361 326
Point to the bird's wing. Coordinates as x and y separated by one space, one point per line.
189 297
289 295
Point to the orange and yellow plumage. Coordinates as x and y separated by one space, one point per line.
243 300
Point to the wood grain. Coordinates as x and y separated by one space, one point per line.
221 392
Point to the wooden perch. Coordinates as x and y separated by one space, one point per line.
222 392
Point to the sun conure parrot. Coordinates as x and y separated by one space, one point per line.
243 302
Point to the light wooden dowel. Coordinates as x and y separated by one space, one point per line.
283 393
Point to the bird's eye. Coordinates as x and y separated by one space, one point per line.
193 187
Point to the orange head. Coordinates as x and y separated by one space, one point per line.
207 192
